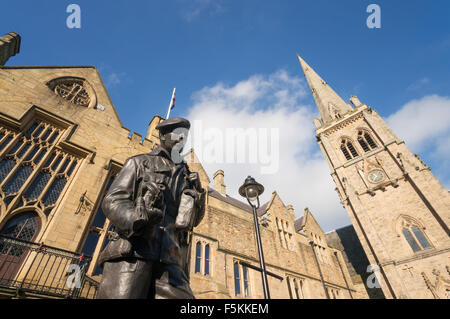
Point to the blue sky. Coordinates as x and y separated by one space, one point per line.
143 48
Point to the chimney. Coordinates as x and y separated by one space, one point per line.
9 46
218 182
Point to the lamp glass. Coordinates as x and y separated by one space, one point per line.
252 193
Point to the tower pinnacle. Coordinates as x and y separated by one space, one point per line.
330 104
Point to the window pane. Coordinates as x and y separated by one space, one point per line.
5 167
22 226
5 142
32 128
198 257
46 134
38 131
24 150
64 166
246 284
16 147
420 237
53 138
37 186
54 191
207 260
18 179
237 281
410 239
56 163
50 160
72 167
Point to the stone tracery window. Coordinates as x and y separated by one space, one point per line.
74 90
24 226
414 235
32 171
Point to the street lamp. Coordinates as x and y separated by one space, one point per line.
251 190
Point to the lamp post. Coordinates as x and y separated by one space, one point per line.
251 190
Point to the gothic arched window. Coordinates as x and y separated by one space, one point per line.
414 235
348 149
366 141
32 171
24 226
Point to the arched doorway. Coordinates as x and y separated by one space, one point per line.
15 234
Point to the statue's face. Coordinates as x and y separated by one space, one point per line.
174 141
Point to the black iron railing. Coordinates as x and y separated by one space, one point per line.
35 269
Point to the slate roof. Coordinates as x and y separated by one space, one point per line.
298 224
235 202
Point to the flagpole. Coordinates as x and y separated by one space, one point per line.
171 103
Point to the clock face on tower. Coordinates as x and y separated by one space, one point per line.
376 176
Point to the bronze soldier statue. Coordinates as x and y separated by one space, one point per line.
153 204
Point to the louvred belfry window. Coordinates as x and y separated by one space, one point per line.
348 149
33 172
366 141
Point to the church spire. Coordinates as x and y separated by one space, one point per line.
330 104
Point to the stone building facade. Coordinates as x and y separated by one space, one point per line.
398 208
62 143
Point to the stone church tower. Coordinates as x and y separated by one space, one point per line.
399 210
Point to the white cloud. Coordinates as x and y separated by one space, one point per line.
424 124
112 79
273 101
194 8
303 176
418 84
